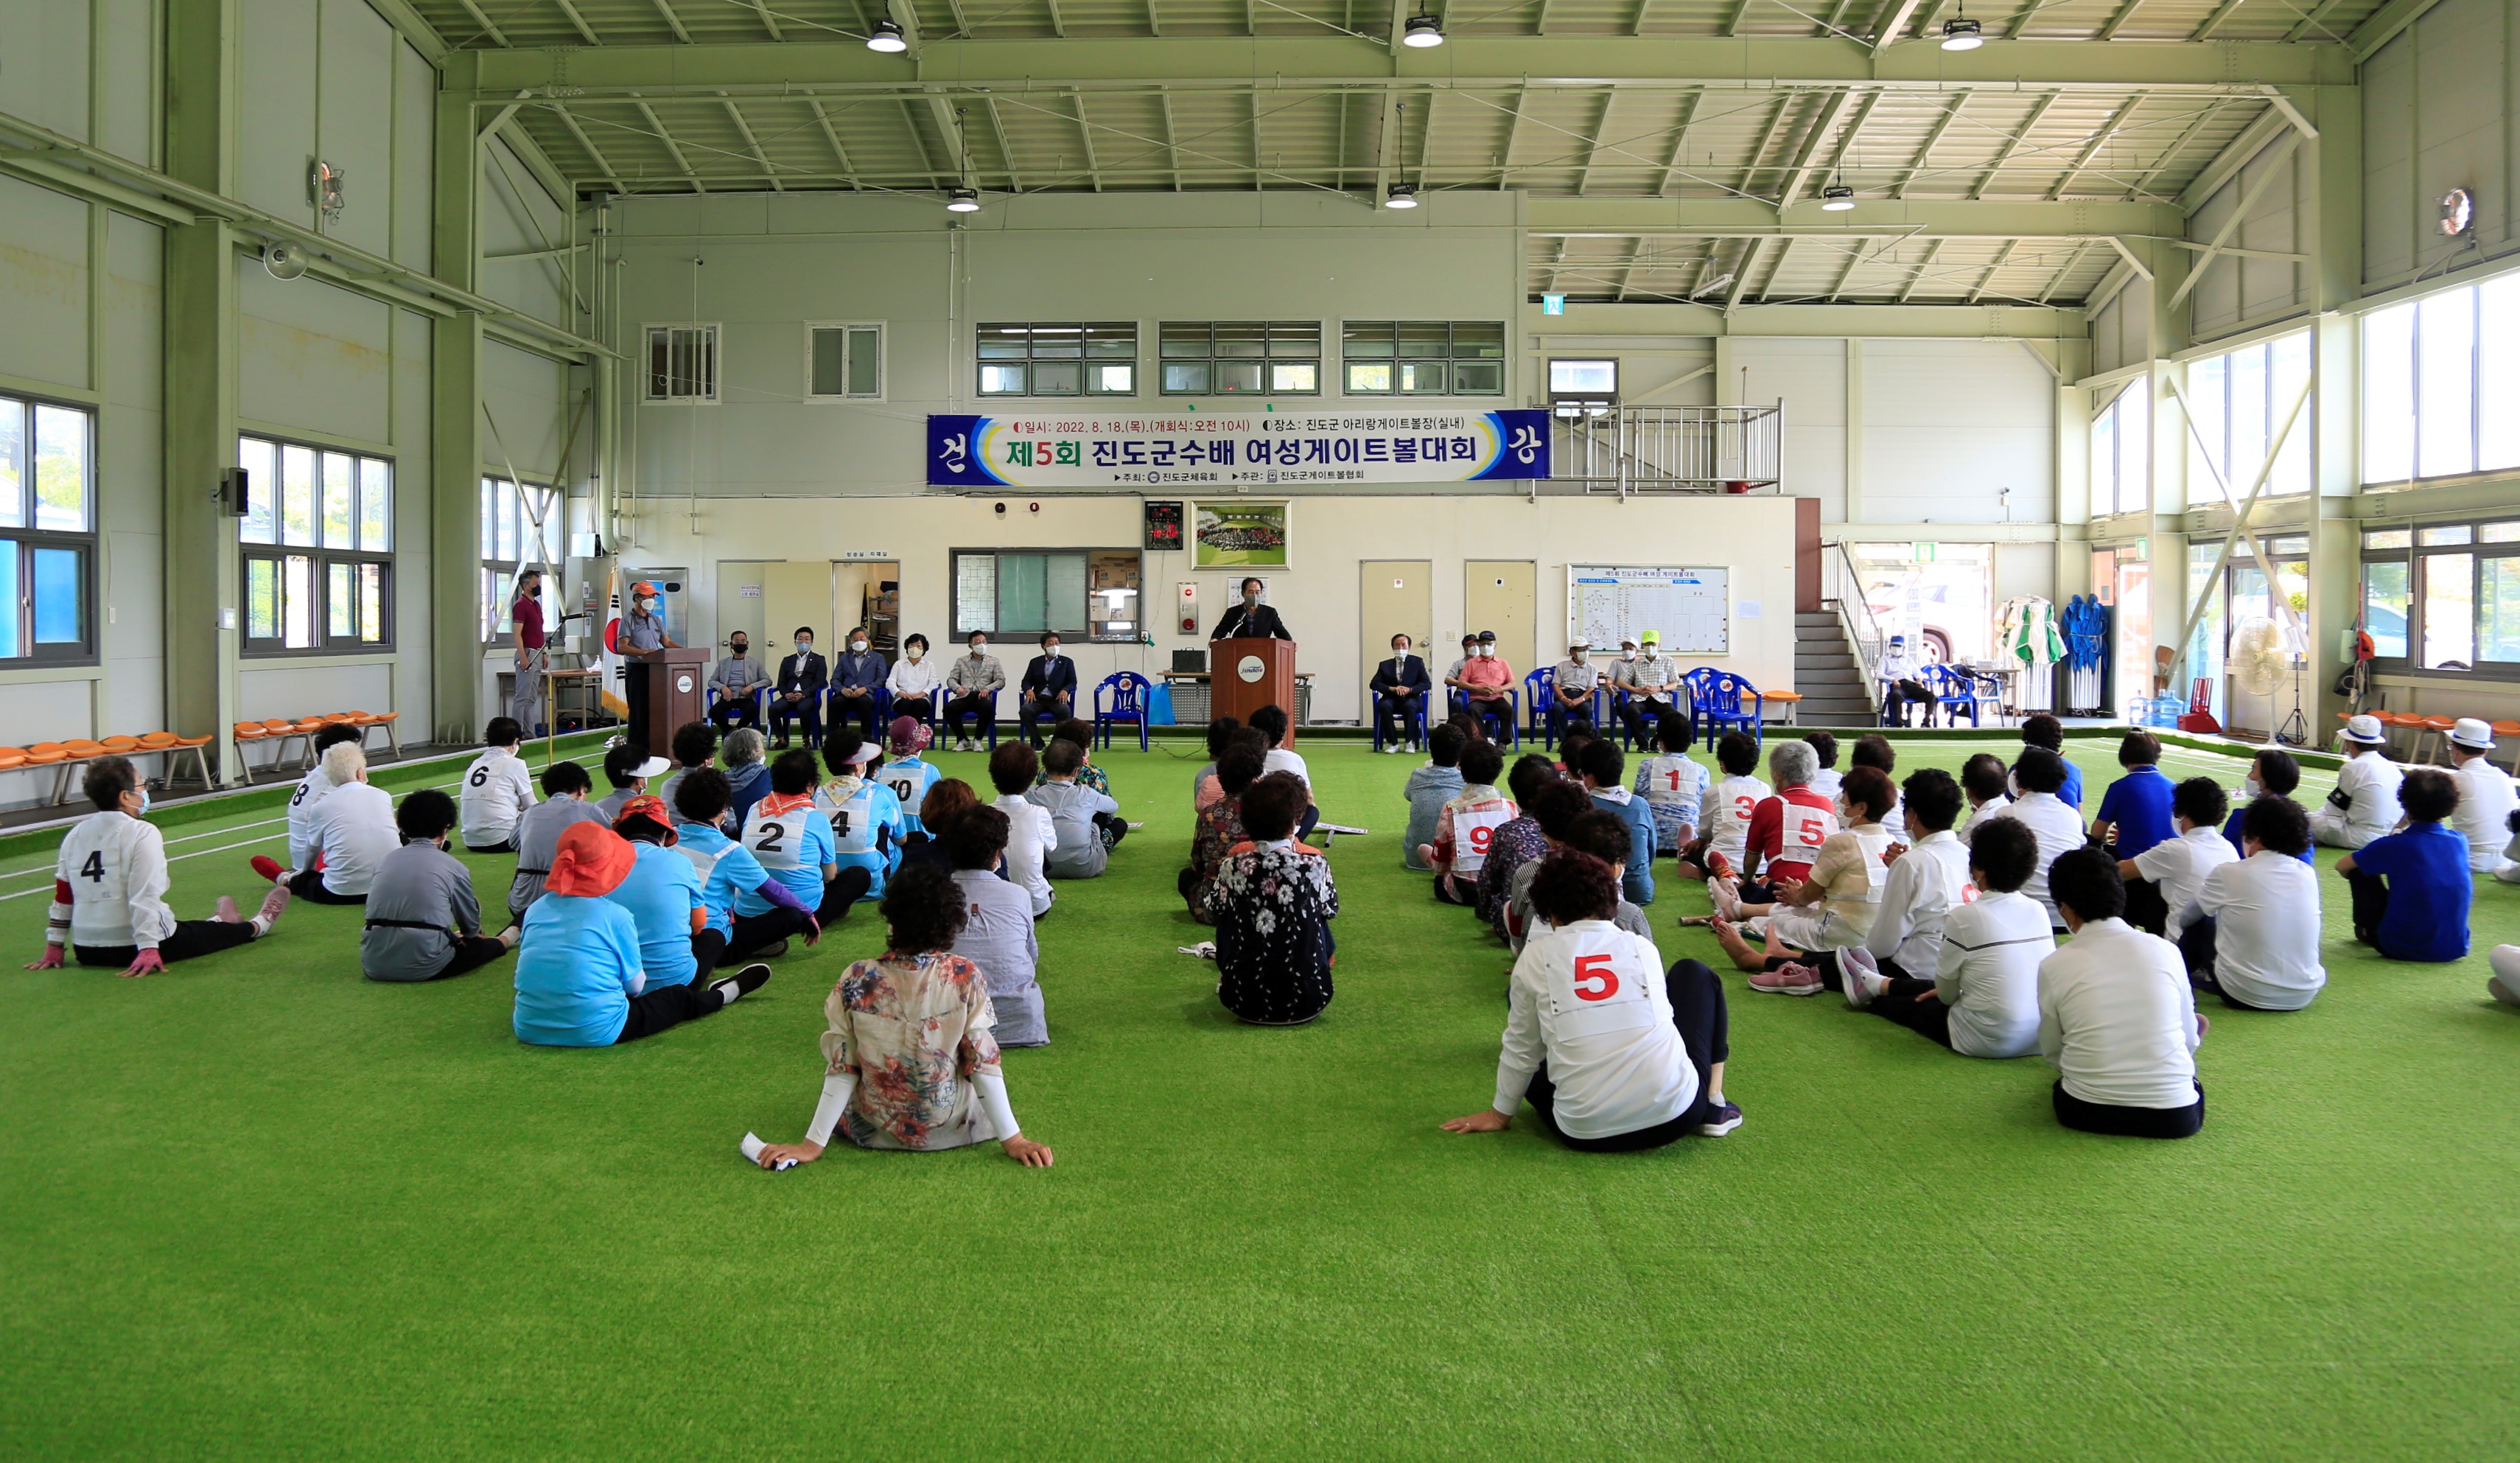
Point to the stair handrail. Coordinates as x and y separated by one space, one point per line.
1855 618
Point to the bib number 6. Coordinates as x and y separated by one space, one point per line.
1595 980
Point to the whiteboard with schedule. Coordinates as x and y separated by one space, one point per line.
1688 608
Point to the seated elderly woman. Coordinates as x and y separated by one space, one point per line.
911 1051
1613 1053
581 978
1219 827
998 932
747 776
1273 902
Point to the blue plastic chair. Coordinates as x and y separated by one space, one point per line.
1128 694
1684 705
760 706
1513 716
1956 689
1417 717
943 696
1723 702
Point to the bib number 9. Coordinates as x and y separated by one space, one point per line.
1595 980
1481 838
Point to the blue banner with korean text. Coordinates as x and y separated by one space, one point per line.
1033 448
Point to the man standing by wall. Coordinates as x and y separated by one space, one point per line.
532 664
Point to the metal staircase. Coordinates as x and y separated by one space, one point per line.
1826 672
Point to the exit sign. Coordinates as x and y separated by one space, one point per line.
1552 304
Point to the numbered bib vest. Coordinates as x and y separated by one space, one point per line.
1598 985
1673 780
1876 874
854 817
1806 829
1473 835
778 838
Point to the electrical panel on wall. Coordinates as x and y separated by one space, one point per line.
1164 526
1188 607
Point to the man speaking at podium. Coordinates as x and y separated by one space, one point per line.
1251 618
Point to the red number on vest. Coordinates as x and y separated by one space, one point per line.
1481 836
1741 808
1595 970
1674 775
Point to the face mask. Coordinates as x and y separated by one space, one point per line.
1049 651
978 651
1399 651
2250 790
858 647
1626 655
144 802
1252 597
804 647
915 652
645 604
740 648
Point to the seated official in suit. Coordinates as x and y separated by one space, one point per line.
1049 691
1400 687
1250 619
798 691
736 679
856 676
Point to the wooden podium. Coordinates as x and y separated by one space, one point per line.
665 689
1246 674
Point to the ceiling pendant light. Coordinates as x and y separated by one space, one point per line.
962 201
1421 32
887 39
1960 33
1402 196
1836 197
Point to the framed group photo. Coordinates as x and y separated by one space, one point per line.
1238 534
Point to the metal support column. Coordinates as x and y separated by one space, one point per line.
456 665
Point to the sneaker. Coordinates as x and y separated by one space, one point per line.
268 868
1721 1122
742 983
1789 979
770 951
1717 864
2503 988
272 904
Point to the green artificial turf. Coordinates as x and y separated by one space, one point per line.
258 1207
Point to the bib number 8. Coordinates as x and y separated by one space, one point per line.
1595 980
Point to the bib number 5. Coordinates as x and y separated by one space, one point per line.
1595 980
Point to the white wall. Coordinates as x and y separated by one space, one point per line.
84 68
331 79
1808 376
1948 425
2236 293
82 322
1752 536
2437 115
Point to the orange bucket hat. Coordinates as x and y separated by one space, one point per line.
591 860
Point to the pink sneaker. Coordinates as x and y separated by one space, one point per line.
1788 980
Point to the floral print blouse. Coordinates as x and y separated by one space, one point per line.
1219 831
915 1030
1517 842
1271 905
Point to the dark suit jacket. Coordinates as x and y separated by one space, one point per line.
1401 670
807 677
1260 623
1046 681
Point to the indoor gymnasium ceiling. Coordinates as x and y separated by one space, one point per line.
1671 149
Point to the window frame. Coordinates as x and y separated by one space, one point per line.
2416 556
1080 634
2138 387
2491 365
1033 358
883 362
1269 358
322 558
2298 458
715 331
1454 356
502 633
87 542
